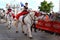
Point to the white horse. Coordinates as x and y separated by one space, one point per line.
9 19
28 21
2 16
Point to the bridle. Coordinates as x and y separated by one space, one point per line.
31 17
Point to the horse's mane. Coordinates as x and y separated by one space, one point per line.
32 13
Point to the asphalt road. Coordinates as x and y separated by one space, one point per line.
6 34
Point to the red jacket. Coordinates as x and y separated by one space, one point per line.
20 14
12 14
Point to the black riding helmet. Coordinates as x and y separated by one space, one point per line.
26 3
9 10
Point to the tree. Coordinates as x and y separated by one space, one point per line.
46 7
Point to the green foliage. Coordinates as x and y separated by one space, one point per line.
46 7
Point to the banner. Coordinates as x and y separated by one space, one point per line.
53 26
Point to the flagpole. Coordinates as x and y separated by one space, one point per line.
14 7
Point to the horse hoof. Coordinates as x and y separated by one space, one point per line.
16 31
25 34
35 31
22 31
31 37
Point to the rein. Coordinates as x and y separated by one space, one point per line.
31 17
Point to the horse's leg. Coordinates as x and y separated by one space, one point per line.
8 24
31 27
25 29
16 24
29 31
35 27
5 18
16 28
22 28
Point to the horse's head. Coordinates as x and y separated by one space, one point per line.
32 13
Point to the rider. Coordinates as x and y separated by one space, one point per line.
9 11
24 12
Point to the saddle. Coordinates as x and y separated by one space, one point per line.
23 18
